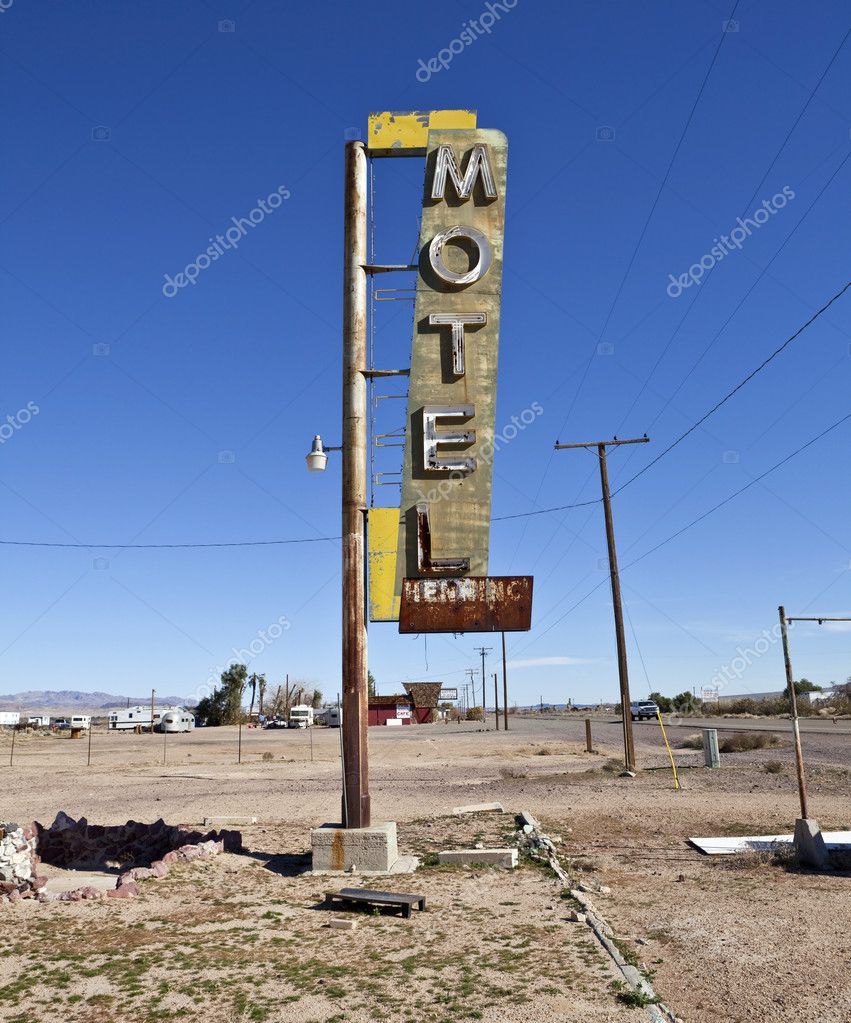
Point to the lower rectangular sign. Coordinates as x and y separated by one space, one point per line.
490 603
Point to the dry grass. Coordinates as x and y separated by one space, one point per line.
741 742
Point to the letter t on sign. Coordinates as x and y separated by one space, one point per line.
457 321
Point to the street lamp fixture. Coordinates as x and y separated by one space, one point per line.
317 457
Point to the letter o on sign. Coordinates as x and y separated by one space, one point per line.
475 273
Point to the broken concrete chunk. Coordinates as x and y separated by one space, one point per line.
339 924
576 916
496 857
459 811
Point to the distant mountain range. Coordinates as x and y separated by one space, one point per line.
68 700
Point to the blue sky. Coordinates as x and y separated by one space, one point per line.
136 132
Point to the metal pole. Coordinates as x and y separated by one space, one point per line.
239 743
496 701
165 737
342 759
152 710
310 729
589 744
504 688
12 750
623 673
356 805
796 731
89 757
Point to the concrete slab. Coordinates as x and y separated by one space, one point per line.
338 924
809 844
459 811
497 857
68 880
359 850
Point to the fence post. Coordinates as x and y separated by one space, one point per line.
711 757
589 745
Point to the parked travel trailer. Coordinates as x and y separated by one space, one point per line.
134 717
301 716
39 722
10 718
176 720
80 721
334 717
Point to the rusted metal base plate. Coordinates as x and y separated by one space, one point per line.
491 603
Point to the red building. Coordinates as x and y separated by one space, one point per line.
414 706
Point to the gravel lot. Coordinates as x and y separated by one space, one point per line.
742 938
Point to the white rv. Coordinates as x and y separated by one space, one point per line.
301 716
176 720
80 721
334 717
133 717
40 721
10 718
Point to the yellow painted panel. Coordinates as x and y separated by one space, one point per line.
383 537
405 133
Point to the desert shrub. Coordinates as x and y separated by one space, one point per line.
692 742
740 742
512 772
773 767
474 714
543 751
268 756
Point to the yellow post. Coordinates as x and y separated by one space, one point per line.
668 748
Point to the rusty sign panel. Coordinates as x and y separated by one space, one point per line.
444 519
496 603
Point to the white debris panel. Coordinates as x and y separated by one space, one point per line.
763 843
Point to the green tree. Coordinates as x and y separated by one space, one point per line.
224 705
664 703
370 683
686 702
804 686
316 702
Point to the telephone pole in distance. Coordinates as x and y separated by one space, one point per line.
623 672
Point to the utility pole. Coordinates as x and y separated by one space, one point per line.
623 671
504 688
793 696
484 651
152 710
471 675
356 803
496 701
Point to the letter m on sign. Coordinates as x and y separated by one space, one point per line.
478 164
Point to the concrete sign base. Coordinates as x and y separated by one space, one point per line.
371 850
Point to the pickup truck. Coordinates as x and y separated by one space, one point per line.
643 709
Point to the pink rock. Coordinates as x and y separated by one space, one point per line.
38 882
124 891
170 857
14 895
159 869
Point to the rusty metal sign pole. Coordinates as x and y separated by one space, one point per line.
355 805
620 638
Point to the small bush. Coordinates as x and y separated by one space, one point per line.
740 742
544 751
773 767
512 772
268 756
692 742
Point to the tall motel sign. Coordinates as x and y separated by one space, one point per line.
428 557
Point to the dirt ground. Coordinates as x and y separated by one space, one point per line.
738 939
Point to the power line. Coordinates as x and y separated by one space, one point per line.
747 206
632 258
694 522
777 351
747 486
166 546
